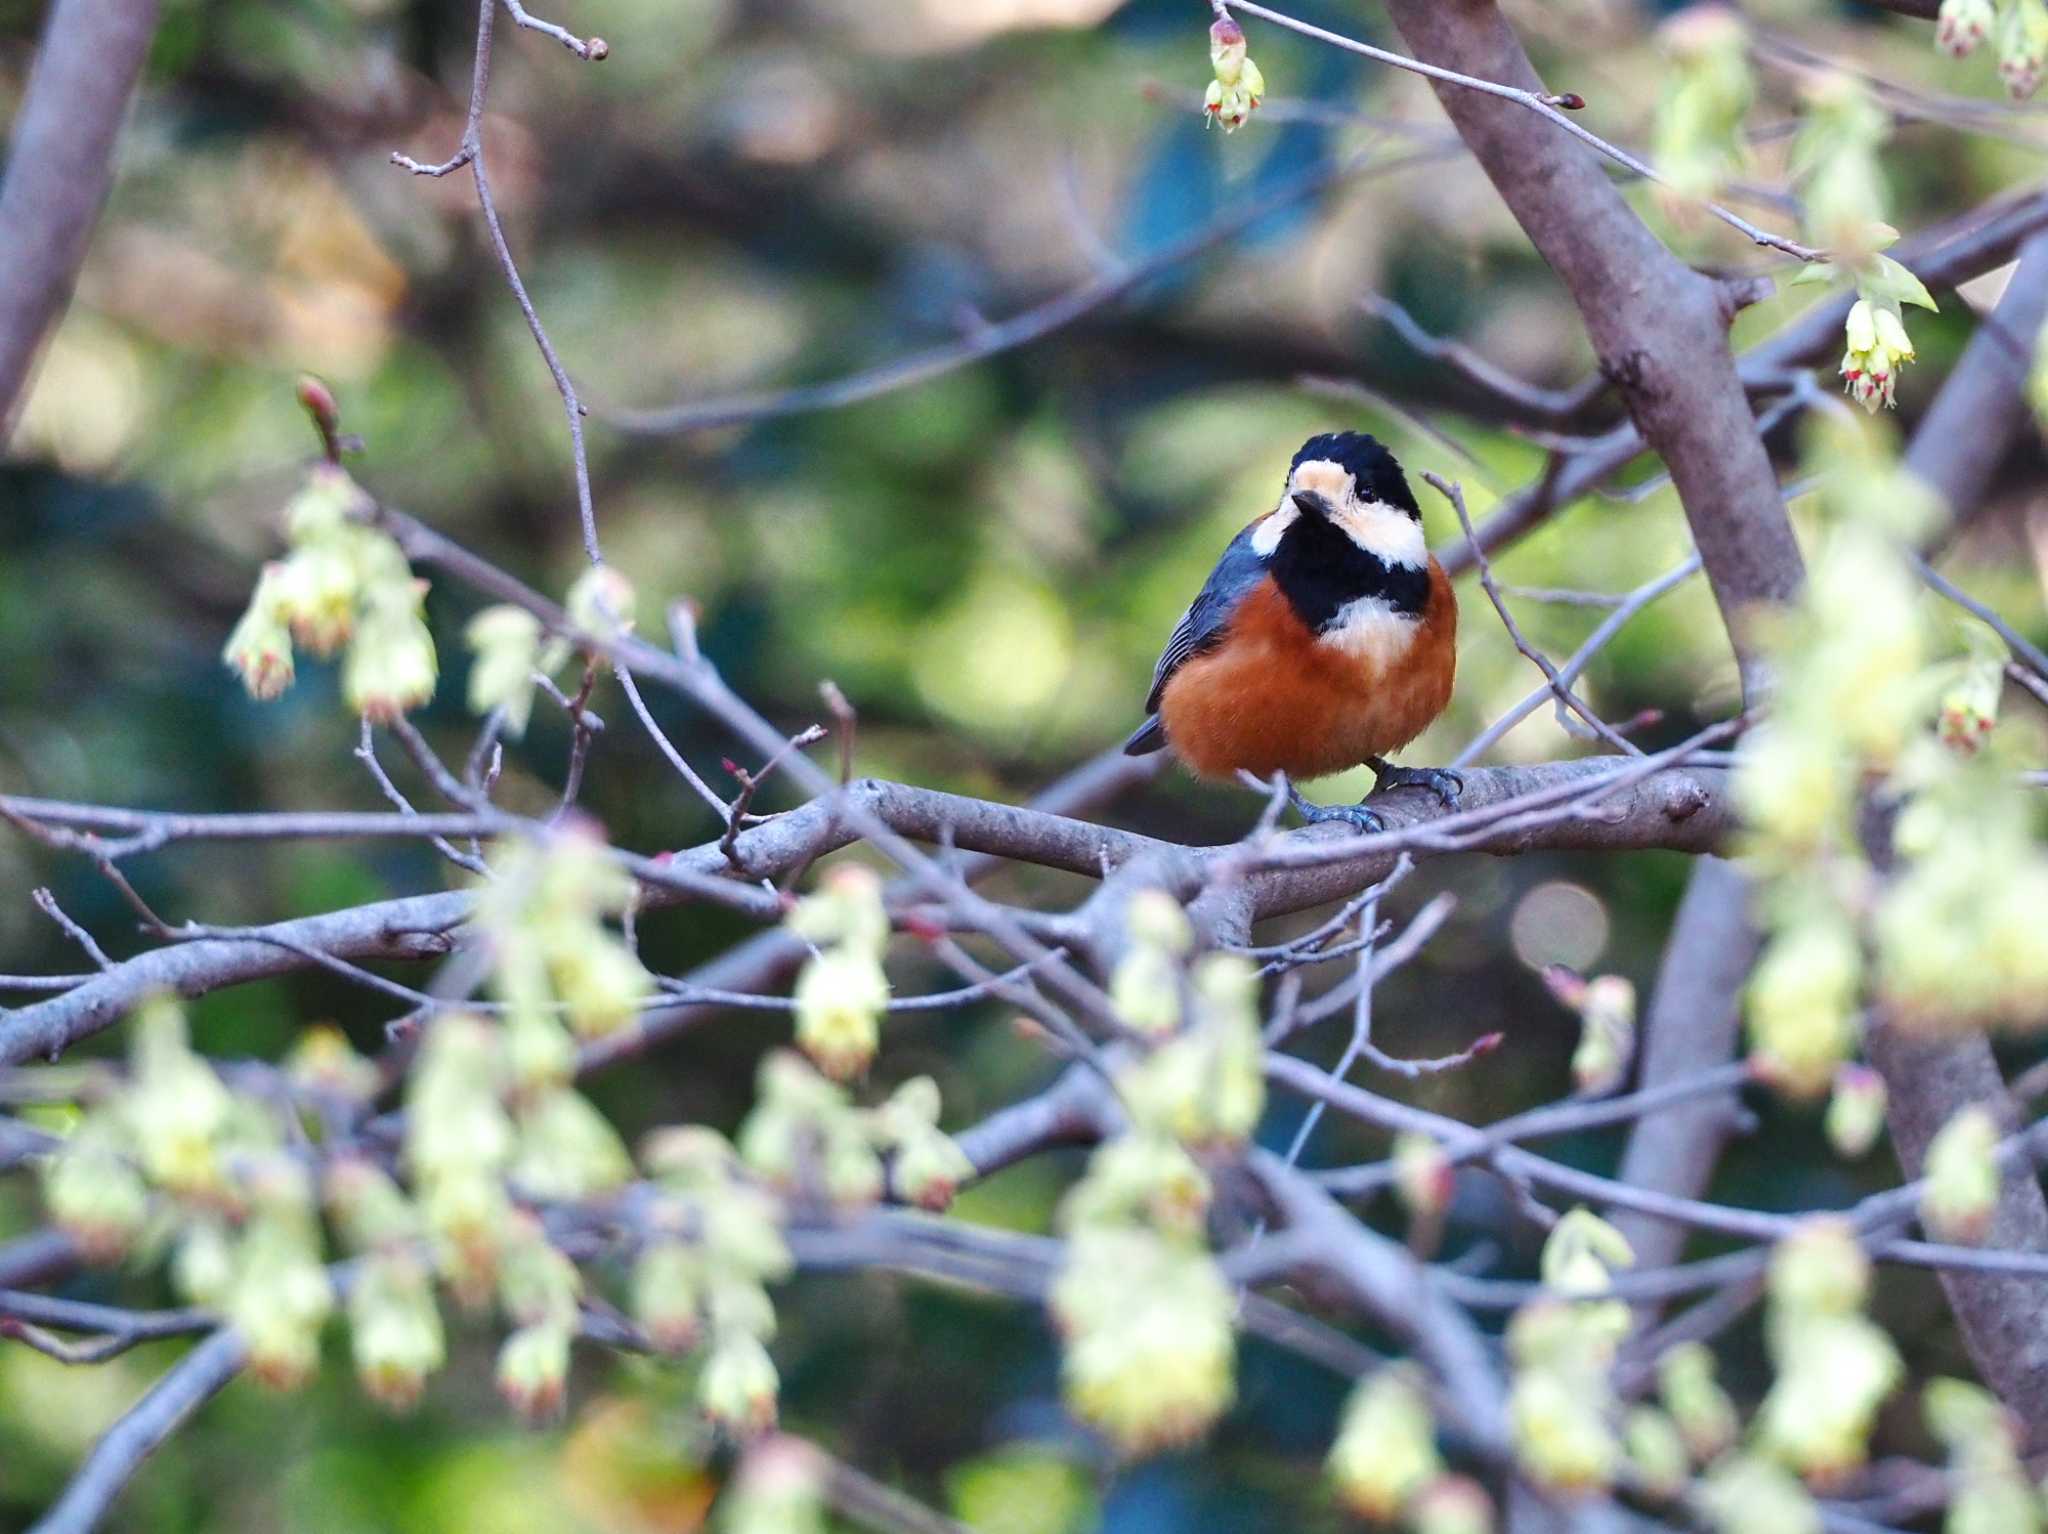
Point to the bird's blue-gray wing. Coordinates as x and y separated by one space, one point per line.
1200 628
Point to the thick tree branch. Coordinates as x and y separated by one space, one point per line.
59 166
1693 1024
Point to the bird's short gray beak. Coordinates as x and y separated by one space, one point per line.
1314 502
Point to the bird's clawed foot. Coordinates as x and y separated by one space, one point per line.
1355 815
1441 781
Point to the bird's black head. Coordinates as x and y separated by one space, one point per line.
1375 473
1347 530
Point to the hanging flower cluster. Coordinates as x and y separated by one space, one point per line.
1708 87
345 586
1236 91
1562 1407
1873 696
1837 162
510 652
841 991
2017 28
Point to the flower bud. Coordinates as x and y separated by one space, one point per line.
1962 1177
846 909
1139 1178
316 594
1145 990
367 1207
94 1195
390 667
1855 1116
602 985
537 1285
1657 1451
280 1299
928 1169
1961 1414
1607 1039
203 1269
2022 46
324 1061
1746 1494
259 650
1236 91
839 1000
1962 25
533 1370
601 603
667 1283
1385 1451
1423 1175
734 1303
1581 1254
1149 1344
394 1330
1820 1268
1833 1373
738 1386
1451 1504
1562 1438
740 1228
1802 1005
1705 1416
505 642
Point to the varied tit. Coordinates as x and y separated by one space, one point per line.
1325 637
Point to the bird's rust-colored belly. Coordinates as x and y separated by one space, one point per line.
1272 697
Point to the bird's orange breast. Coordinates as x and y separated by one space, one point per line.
1274 696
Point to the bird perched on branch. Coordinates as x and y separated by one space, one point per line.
1325 638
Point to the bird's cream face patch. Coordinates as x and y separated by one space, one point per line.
1266 536
1382 530
1372 631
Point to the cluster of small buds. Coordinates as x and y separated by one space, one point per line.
1385 1453
1969 705
279 1295
1205 1085
1146 1319
1836 160
1698 136
1424 1177
1145 986
1803 1015
459 1143
540 1293
1961 1173
1562 1407
1991 1492
344 583
1958 933
842 991
567 1150
1835 1367
805 1135
1238 88
395 1330
1695 1402
714 1243
173 1148
545 911
1606 1005
601 602
926 1166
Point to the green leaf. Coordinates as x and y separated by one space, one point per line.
1816 271
1888 279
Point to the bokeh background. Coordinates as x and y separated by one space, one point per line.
750 194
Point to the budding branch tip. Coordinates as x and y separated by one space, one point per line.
1570 101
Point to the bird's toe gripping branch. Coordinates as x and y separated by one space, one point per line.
1357 815
1441 781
